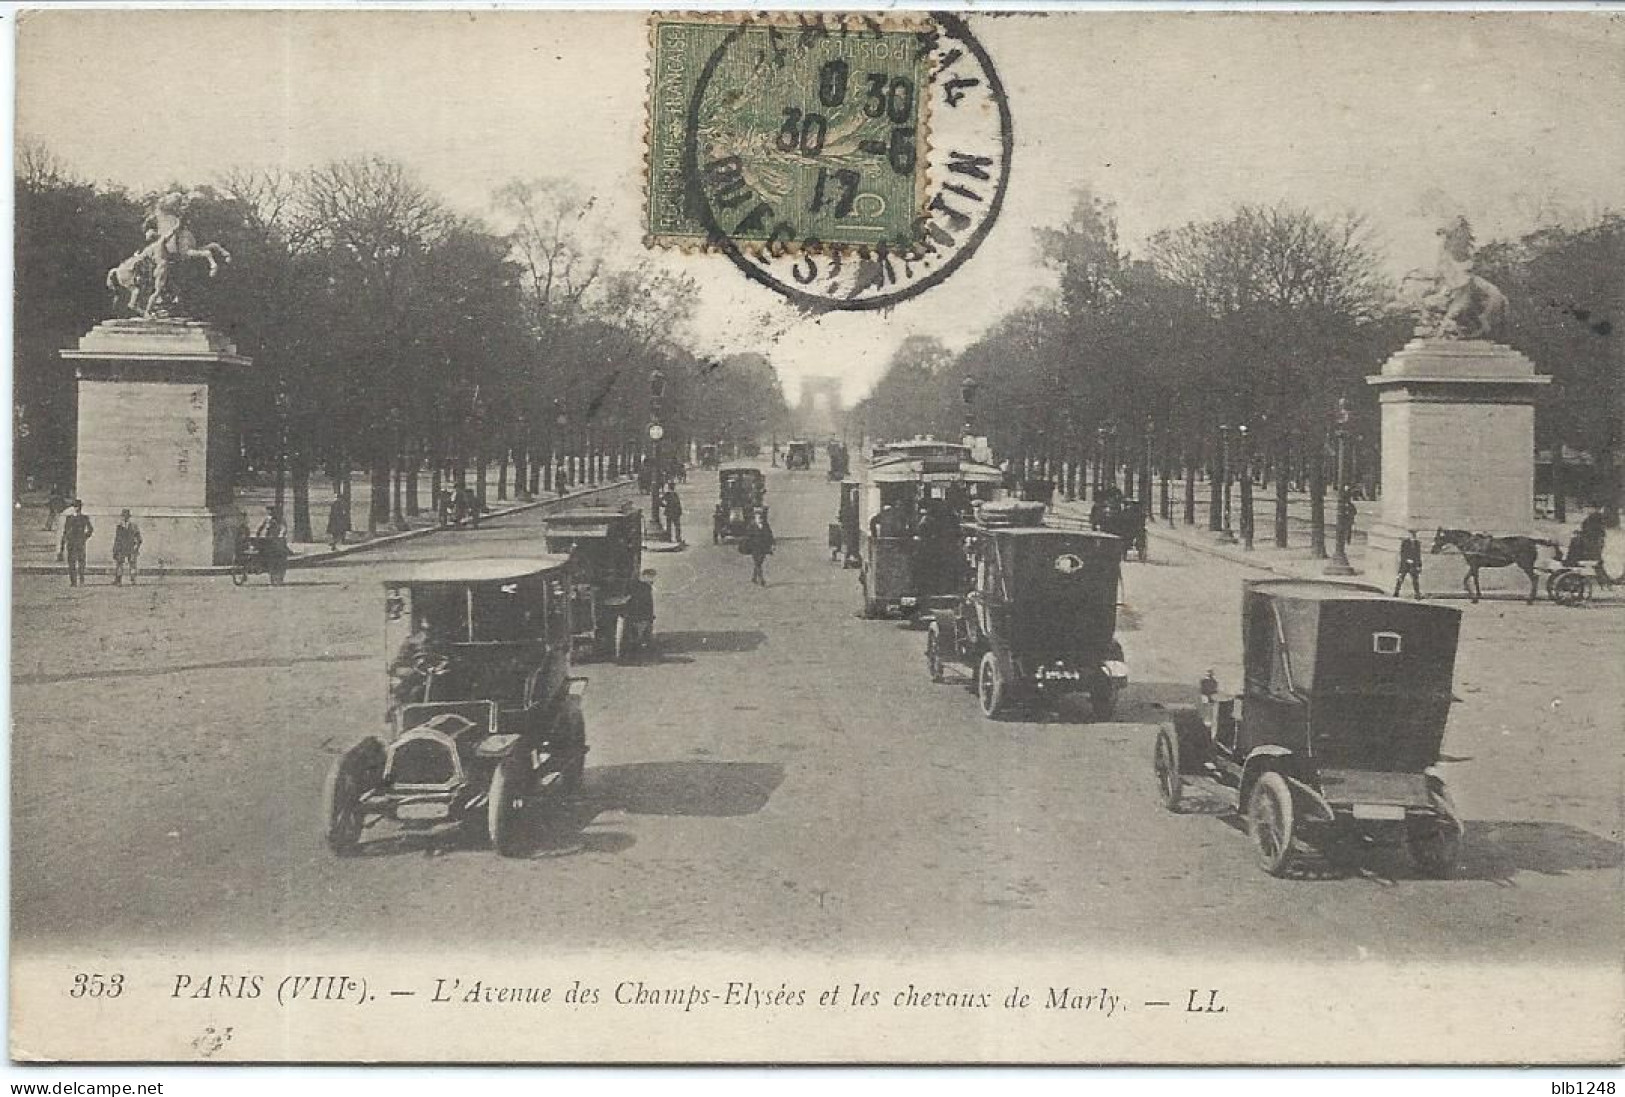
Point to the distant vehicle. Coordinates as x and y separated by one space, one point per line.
1123 518
911 507
741 492
605 542
1036 617
709 458
485 725
1346 693
840 465
798 455
266 556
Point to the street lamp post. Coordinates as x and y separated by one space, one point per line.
1244 441
967 393
1339 564
1227 534
557 446
657 395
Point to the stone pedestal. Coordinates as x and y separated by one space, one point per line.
158 436
1458 452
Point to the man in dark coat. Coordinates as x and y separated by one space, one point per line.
759 545
126 549
673 508
338 521
76 531
1410 563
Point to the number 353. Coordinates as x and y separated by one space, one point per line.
87 985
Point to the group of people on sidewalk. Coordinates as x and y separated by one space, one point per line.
77 530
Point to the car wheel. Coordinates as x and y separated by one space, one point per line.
933 653
1165 764
352 775
991 688
1103 699
239 574
507 803
1434 846
1271 822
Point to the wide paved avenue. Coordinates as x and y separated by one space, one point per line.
782 775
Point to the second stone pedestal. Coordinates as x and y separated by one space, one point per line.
1458 452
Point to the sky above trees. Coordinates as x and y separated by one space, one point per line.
1406 119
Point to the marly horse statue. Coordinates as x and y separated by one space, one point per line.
1481 550
1456 303
148 274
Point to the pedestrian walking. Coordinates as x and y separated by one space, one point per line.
338 521
1346 514
673 508
1410 563
126 548
273 539
76 531
758 545
55 504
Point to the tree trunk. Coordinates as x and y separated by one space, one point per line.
1215 493
1317 505
301 496
521 471
1280 495
378 509
341 488
413 459
1190 489
397 482
480 470
502 474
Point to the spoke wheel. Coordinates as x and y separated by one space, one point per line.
1165 763
507 808
352 775
991 689
933 653
1569 589
1271 822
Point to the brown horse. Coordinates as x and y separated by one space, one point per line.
1481 550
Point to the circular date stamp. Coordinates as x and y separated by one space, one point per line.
845 162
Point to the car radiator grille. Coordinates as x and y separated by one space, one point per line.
422 762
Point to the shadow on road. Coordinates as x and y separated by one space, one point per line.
154 672
1499 850
710 642
710 789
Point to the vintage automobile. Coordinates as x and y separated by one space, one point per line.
1334 739
484 726
1037 615
741 494
709 459
910 510
266 556
1124 518
840 463
605 541
798 454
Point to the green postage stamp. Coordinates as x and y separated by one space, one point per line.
810 132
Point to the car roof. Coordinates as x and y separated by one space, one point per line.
488 570
1315 590
741 468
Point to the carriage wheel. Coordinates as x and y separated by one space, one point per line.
1570 588
991 688
933 652
1165 764
507 812
351 776
1271 822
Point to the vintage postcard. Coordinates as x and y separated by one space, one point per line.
820 537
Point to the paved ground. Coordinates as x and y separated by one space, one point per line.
784 775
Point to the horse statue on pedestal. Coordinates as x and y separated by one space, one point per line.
148 274
1456 303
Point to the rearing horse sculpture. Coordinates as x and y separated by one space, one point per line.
1481 550
148 274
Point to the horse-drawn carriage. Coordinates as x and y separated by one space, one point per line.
1571 577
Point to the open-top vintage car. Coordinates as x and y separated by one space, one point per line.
1037 614
605 541
798 454
741 490
840 462
484 726
1335 737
